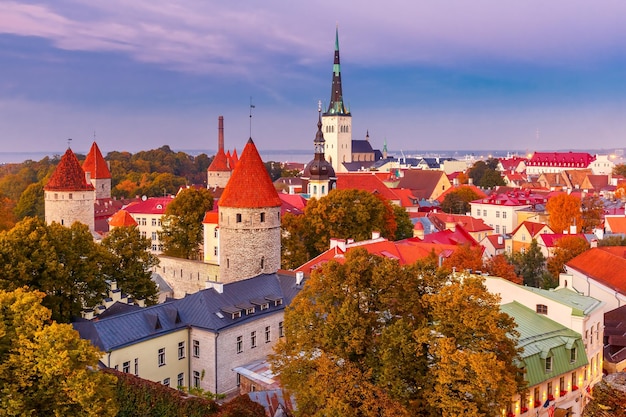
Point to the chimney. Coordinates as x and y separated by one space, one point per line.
220 133
299 277
455 182
572 229
470 181
338 243
500 240
375 235
418 230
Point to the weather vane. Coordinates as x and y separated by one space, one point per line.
251 107
69 140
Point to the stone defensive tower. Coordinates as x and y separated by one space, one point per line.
68 196
220 170
97 172
249 221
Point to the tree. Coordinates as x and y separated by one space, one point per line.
564 211
370 337
464 258
457 201
63 262
342 214
182 232
616 240
491 179
404 224
31 202
499 266
592 209
608 398
131 263
530 265
620 170
566 249
46 369
7 218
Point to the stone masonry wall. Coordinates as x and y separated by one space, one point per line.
186 276
60 208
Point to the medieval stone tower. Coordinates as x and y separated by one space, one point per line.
249 221
220 170
337 120
68 196
97 172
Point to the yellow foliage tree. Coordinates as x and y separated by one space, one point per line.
564 211
46 369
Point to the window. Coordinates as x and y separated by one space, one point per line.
154 247
478 212
562 387
238 217
504 214
161 356
239 344
166 382
542 309
69 196
249 311
215 232
265 306
549 364
159 222
572 354
214 250
252 339
598 332
196 348
497 214
154 222
550 391
262 217
573 381
497 229
536 397
126 367
181 350
267 334
504 230
143 221
523 237
154 235
238 379
144 234
196 379
281 330
180 382
136 366
484 212
262 262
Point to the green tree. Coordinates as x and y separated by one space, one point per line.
491 179
342 214
616 240
370 337
131 263
530 265
182 232
404 224
63 262
620 169
46 369
31 202
457 201
564 211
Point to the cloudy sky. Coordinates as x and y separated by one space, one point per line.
424 75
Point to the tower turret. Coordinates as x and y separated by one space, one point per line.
319 176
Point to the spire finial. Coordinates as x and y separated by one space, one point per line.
69 141
252 106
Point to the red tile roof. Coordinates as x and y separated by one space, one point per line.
497 241
154 205
616 224
367 182
606 264
478 191
122 218
561 159
532 227
469 223
250 186
220 162
550 239
68 175
95 164
211 217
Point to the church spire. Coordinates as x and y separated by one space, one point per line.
336 105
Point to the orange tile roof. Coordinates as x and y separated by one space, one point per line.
367 182
68 175
616 224
95 164
122 218
250 186
532 227
211 217
220 162
606 264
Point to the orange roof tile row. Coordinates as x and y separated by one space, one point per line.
68 175
606 265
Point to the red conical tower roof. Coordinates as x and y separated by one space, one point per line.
95 164
250 186
220 162
68 175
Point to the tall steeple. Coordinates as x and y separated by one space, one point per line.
336 105
319 176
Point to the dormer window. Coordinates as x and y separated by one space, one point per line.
549 364
572 354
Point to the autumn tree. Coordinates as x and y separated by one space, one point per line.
404 225
465 257
607 398
564 211
342 214
499 266
31 202
457 201
620 170
370 337
46 369
566 249
530 265
131 263
592 211
182 232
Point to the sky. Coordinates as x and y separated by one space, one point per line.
530 75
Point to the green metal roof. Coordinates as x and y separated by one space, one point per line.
541 337
581 304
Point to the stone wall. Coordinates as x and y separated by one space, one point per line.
67 207
186 276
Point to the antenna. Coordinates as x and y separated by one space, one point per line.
69 140
94 135
251 107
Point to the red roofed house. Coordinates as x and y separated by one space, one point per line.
599 273
547 241
557 161
475 227
249 220
148 214
514 164
501 210
122 219
68 196
493 245
524 234
425 184
366 181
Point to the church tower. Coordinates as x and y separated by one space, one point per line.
220 170
337 120
68 196
319 176
249 221
97 172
